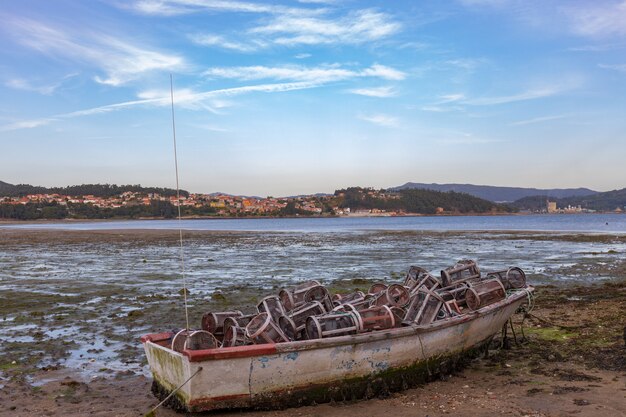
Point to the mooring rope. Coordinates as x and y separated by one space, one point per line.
180 226
151 412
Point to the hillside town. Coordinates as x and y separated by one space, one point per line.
219 204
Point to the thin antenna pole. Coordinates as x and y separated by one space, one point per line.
180 226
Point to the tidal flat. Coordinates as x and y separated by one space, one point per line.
73 304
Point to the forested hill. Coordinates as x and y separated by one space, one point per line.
499 194
606 201
97 190
415 201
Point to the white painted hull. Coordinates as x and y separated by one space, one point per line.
298 372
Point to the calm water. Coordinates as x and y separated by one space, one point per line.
592 223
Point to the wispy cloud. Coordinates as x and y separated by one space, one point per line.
355 28
178 7
450 98
441 109
380 119
120 60
599 18
302 56
597 47
27 85
538 120
222 42
301 73
615 67
308 27
183 97
523 96
468 64
381 92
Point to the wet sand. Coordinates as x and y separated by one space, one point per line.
572 363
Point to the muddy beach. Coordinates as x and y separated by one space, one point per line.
73 304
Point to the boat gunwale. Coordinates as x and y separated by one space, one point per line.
302 345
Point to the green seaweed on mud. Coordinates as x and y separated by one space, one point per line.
550 334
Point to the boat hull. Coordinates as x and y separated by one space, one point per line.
305 372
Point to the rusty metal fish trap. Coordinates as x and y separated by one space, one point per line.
235 336
213 322
354 297
512 278
293 297
394 295
237 322
331 325
424 307
377 288
375 318
272 306
464 270
484 293
398 314
262 329
194 340
293 324
426 281
357 305
415 277
320 294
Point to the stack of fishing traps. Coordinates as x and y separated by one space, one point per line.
308 311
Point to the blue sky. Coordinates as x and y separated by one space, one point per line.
289 97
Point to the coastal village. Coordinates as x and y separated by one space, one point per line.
223 204
226 205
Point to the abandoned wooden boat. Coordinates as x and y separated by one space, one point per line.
276 375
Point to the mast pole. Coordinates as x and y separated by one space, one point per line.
180 226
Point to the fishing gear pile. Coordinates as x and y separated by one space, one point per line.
308 311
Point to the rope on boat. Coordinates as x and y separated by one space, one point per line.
524 310
151 412
180 227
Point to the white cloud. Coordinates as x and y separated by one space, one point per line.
380 119
597 48
600 18
381 92
25 85
301 73
523 96
187 97
615 67
384 72
449 98
441 109
177 7
122 61
487 3
468 64
318 1
538 120
355 28
302 56
222 42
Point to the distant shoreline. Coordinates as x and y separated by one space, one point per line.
350 216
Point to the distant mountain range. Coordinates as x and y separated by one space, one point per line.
500 194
